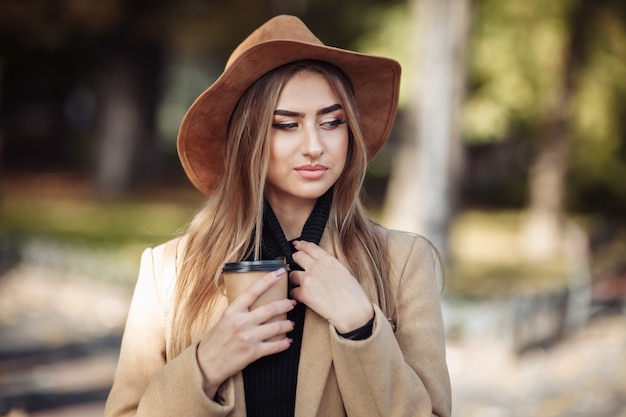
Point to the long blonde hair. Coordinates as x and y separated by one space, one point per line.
229 226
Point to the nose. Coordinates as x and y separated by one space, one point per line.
311 142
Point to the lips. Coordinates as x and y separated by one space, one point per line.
312 172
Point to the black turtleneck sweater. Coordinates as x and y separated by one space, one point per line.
270 382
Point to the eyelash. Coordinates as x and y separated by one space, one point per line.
284 126
335 123
330 124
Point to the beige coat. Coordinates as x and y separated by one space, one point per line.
401 373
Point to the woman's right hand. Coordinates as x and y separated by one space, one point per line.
240 335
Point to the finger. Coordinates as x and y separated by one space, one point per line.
300 296
309 248
275 328
274 346
303 259
295 294
269 311
250 295
294 277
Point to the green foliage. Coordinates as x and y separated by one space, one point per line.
599 154
113 223
518 73
389 34
515 65
516 61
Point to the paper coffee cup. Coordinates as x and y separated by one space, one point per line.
238 276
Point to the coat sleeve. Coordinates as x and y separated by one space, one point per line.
145 383
402 373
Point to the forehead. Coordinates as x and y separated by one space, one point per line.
307 89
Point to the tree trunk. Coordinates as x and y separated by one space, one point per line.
543 227
129 95
422 189
120 127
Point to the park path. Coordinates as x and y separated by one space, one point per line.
59 335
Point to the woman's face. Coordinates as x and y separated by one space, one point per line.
309 141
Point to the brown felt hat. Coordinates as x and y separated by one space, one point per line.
282 40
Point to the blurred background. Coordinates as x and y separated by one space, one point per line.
509 153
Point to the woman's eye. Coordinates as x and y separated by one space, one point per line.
333 123
285 126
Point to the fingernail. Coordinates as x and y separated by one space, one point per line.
279 272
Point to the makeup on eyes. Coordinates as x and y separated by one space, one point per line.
292 125
300 115
334 123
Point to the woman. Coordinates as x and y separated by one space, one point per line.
280 144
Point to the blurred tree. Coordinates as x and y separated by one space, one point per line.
542 231
421 193
112 40
598 115
122 46
551 73
547 87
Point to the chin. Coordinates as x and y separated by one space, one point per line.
306 195
313 193
302 192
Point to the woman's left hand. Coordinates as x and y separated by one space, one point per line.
327 287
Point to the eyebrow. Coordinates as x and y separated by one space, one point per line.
320 112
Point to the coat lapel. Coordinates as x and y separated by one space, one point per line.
315 357
315 362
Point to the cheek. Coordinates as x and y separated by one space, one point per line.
279 157
278 153
340 149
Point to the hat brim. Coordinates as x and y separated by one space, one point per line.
203 130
